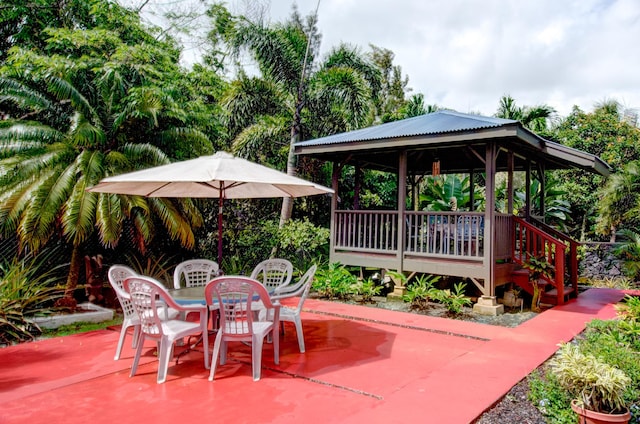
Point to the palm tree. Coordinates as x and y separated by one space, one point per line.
535 118
75 121
295 96
620 201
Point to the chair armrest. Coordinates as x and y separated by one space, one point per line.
290 290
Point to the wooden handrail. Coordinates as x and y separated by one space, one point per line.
573 248
530 240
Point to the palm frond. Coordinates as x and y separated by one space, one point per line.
196 139
25 133
64 90
109 219
176 225
22 95
264 139
79 210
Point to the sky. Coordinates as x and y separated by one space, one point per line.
466 54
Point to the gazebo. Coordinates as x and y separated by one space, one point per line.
488 247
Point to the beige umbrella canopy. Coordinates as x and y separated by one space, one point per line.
221 176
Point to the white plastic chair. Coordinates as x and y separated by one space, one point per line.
117 274
235 296
194 273
147 297
274 274
290 314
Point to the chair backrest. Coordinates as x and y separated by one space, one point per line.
469 226
147 296
235 295
305 286
194 273
273 273
117 274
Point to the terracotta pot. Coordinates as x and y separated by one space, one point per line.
586 416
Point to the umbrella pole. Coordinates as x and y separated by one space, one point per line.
220 202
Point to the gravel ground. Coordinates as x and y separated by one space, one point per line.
513 408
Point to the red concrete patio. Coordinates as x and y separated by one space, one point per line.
362 365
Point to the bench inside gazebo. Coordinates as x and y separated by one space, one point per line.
489 246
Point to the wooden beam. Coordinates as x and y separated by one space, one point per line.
510 161
402 201
489 214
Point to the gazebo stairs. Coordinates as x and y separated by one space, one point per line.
535 239
549 294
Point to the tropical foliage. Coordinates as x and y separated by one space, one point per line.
296 95
437 192
607 133
536 118
619 206
27 288
89 103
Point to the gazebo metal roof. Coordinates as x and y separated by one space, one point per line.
453 138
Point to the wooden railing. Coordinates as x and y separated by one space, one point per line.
438 234
366 231
530 241
572 255
450 234
503 228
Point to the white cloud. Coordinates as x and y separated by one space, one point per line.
466 54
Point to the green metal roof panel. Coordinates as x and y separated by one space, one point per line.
440 122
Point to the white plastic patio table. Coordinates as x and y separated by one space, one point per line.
189 295
193 295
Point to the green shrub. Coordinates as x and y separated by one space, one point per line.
615 343
597 385
421 291
629 252
620 283
367 289
303 243
335 282
454 299
26 289
551 399
629 310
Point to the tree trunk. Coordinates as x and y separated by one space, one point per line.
74 272
287 202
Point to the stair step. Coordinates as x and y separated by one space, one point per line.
554 292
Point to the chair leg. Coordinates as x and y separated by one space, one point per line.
123 334
299 333
136 336
136 359
276 345
164 355
223 352
256 356
214 355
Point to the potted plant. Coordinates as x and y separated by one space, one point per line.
597 386
539 267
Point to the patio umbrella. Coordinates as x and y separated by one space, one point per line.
221 176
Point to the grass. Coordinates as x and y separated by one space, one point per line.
79 327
